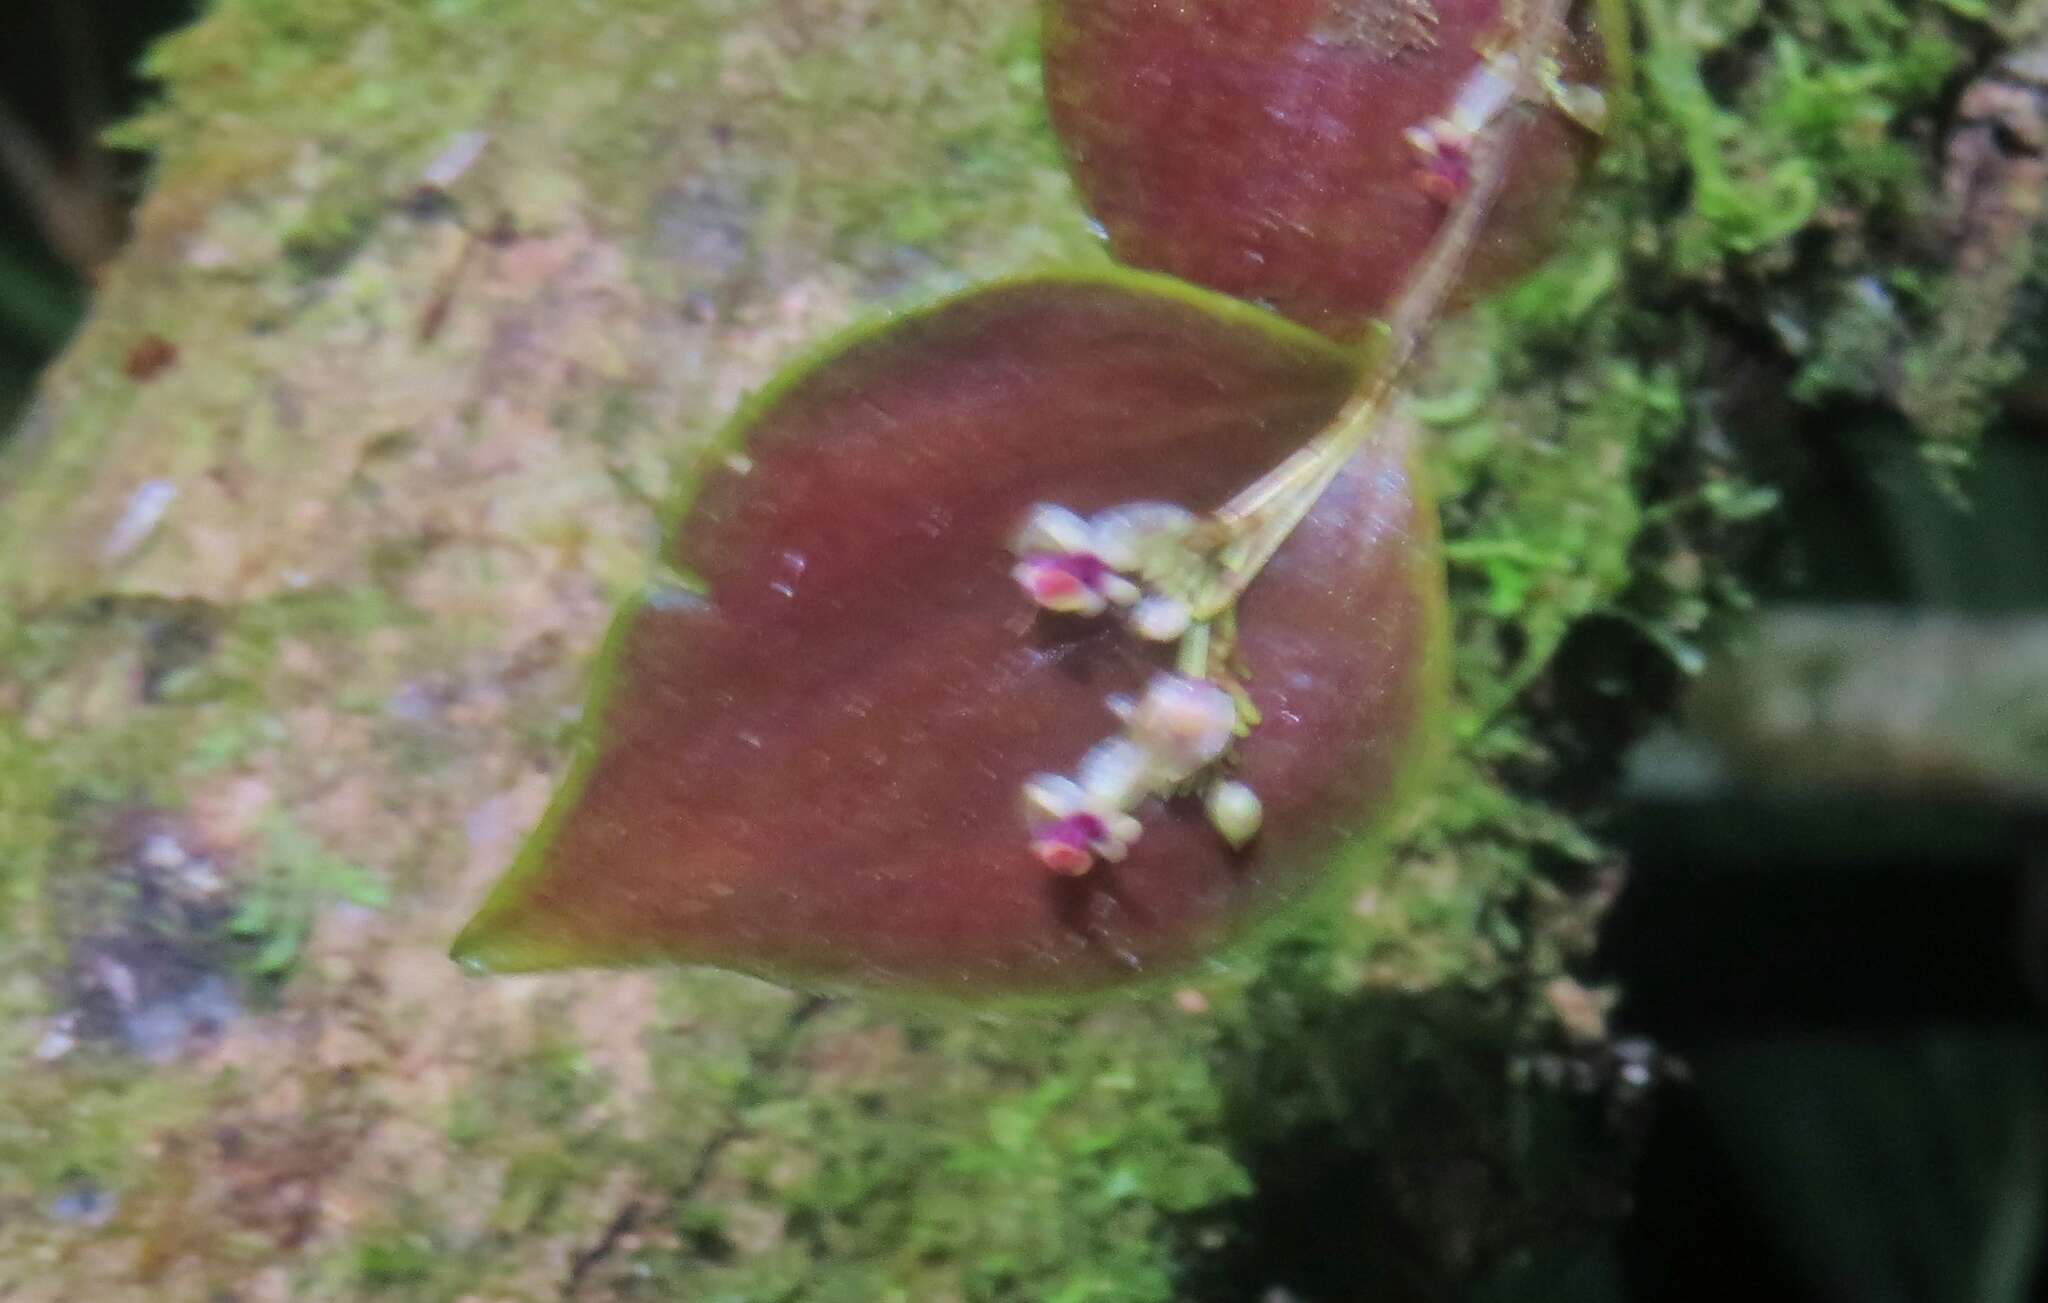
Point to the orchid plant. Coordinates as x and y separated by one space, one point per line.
1213 658
1176 578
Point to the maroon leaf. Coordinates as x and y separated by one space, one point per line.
1261 148
809 754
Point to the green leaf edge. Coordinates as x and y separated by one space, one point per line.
482 948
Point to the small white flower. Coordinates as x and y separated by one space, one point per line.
1072 827
1179 728
1185 723
1083 567
1073 584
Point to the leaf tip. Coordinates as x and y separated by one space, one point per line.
475 948
501 940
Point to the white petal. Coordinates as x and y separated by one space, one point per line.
1120 590
1161 619
1125 536
1185 723
1052 529
1123 833
1052 796
1490 89
1115 774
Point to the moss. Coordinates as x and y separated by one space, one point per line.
544 1126
27 832
973 149
93 1125
1058 1149
1814 205
283 893
1799 134
398 1261
323 240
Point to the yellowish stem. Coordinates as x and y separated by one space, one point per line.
1260 519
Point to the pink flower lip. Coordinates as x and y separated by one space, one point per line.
1075 582
1444 164
1066 846
1085 567
1076 570
1447 176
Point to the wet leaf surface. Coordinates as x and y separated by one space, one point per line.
809 748
1260 149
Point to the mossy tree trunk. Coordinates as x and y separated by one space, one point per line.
310 537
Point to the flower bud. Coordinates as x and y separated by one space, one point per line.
1234 810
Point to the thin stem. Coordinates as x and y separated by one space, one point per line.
1273 507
